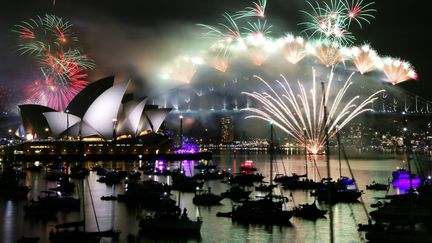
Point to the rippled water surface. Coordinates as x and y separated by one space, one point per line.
112 214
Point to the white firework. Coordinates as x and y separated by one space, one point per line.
301 115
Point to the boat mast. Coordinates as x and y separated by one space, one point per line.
305 151
83 206
271 155
339 149
181 148
329 184
407 148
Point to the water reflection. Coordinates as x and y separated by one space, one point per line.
123 217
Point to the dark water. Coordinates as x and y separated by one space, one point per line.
111 214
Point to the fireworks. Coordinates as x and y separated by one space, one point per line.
258 28
43 34
328 53
46 92
301 115
364 58
331 20
247 34
397 70
50 40
227 37
358 12
258 10
216 60
257 48
294 49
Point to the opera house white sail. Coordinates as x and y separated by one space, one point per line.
100 110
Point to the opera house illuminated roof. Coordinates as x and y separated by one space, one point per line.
102 110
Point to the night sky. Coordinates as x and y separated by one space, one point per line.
132 38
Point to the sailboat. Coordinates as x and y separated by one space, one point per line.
343 189
267 210
309 211
294 181
63 233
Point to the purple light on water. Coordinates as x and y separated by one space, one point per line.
160 165
404 184
188 167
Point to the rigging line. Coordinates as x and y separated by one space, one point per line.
282 160
355 182
94 210
273 133
312 158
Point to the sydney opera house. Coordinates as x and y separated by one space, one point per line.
104 119
102 111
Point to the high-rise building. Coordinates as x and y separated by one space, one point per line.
227 130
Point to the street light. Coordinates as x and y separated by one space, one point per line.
46 131
181 131
10 134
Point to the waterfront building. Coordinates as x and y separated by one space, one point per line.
227 130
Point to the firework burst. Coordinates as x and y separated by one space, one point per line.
364 58
301 115
46 92
226 35
331 20
358 12
396 70
258 28
294 49
258 48
50 40
215 59
258 10
43 34
328 53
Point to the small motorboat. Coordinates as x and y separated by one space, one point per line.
236 193
248 166
224 214
377 204
265 188
109 198
309 211
377 186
